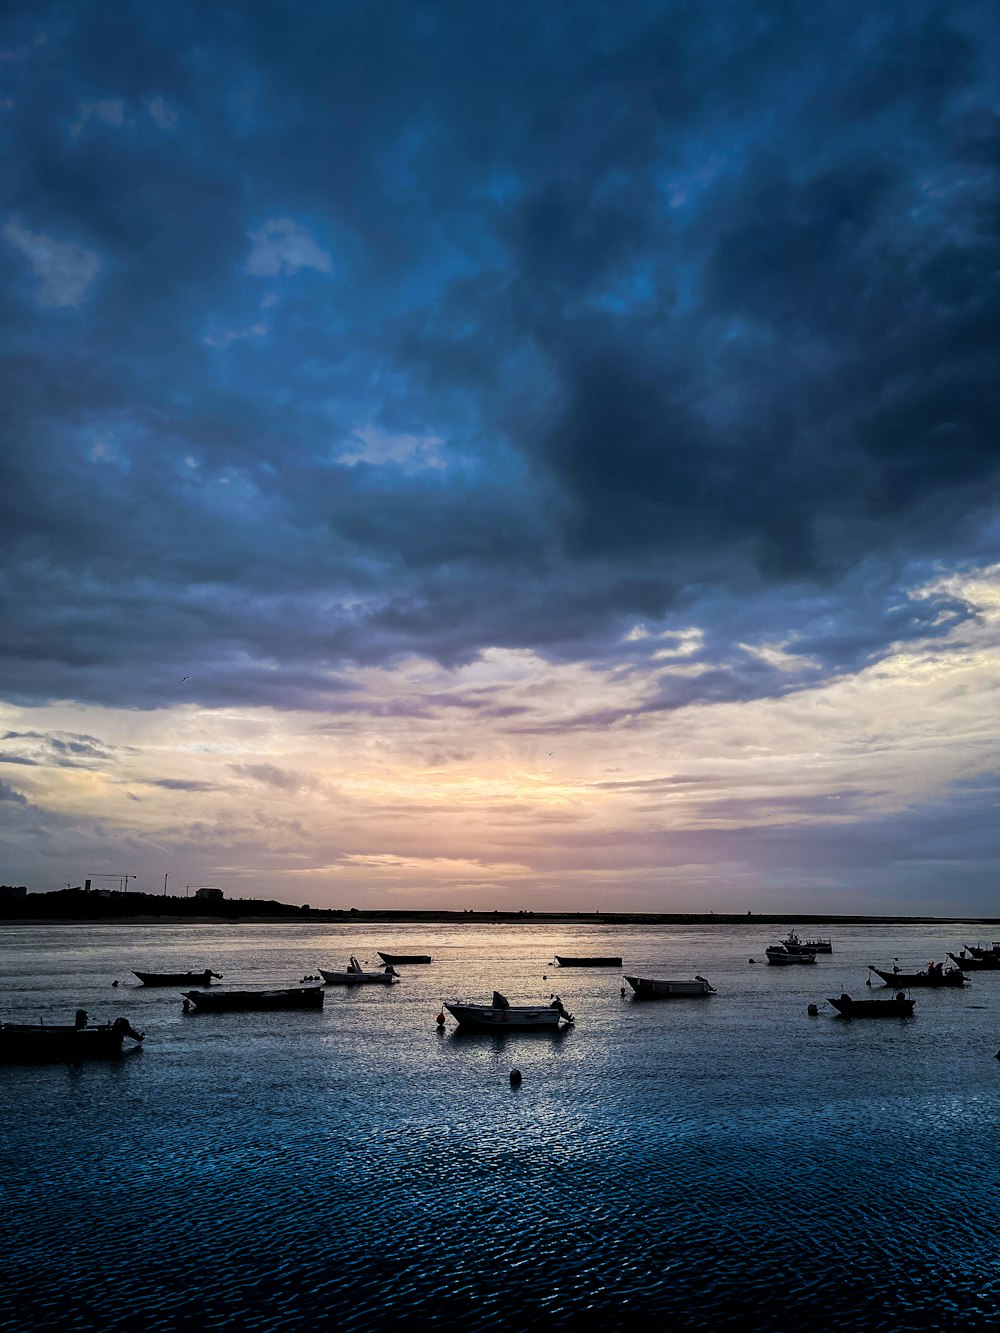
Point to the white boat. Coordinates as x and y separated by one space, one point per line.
501 1016
781 957
355 975
648 989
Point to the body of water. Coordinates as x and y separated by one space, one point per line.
721 1163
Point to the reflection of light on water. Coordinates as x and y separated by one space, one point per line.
640 1171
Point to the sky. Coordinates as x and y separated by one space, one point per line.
502 455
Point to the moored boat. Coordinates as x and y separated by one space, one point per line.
240 1001
565 961
979 951
66 1041
393 958
178 978
987 963
818 945
781 956
935 975
646 988
502 1016
898 1006
355 975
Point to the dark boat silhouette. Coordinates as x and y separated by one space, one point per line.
65 1041
393 958
565 961
988 962
178 978
898 1006
240 1001
933 976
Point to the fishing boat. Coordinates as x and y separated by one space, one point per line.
898 1006
355 975
502 1016
934 975
647 989
393 958
66 1041
978 951
565 961
178 978
240 1001
792 944
781 956
987 963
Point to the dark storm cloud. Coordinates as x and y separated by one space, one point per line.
335 336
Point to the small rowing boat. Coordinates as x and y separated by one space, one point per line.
240 1001
647 989
393 958
565 961
178 978
502 1016
355 975
896 1007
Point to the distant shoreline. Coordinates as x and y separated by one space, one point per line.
429 918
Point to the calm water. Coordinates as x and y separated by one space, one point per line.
707 1164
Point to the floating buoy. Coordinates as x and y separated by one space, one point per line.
515 1078
440 1019
812 1011
114 983
623 992
753 960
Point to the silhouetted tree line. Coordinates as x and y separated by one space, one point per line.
78 905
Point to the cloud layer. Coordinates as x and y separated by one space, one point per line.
643 343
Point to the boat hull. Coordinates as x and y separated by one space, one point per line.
392 958
536 1018
38 1042
897 979
565 961
988 963
222 1001
646 988
176 978
357 978
782 958
894 1008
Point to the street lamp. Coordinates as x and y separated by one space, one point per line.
165 878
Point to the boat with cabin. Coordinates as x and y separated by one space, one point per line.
502 1016
781 956
355 975
980 951
898 1006
80 1040
646 988
565 961
217 1001
178 978
406 958
934 975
